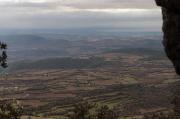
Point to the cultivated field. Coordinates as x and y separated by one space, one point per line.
131 82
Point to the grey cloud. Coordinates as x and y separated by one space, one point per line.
50 14
104 4
81 19
27 5
86 4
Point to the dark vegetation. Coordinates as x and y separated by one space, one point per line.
86 110
139 51
3 56
10 109
60 63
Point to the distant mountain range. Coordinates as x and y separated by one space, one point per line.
45 51
32 47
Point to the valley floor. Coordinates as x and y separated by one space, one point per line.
134 84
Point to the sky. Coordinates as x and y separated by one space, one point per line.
60 14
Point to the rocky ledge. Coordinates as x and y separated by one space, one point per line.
171 29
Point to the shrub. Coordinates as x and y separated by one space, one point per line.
10 110
87 110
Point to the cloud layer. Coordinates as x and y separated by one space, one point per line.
79 13
83 4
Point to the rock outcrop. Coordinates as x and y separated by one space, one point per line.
171 42
171 29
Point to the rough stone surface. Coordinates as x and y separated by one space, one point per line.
171 29
171 41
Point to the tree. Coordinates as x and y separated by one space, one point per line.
3 56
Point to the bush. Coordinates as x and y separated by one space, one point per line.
82 111
10 110
104 112
86 110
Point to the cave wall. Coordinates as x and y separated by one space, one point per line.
171 29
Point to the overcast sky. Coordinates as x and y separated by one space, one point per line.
58 14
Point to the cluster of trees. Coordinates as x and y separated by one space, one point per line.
86 110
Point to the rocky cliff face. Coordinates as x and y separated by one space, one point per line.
171 29
171 41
